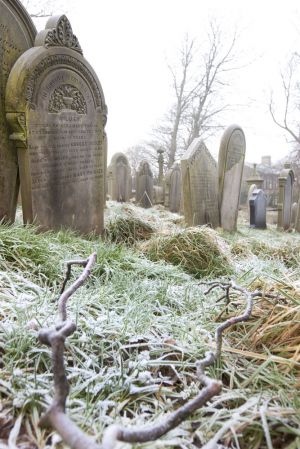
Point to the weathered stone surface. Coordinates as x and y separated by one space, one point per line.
57 113
230 167
294 214
297 223
250 191
17 34
119 178
158 195
286 181
144 185
199 185
172 188
258 209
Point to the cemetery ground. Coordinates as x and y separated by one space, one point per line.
143 319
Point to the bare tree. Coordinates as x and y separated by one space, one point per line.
196 81
288 117
43 8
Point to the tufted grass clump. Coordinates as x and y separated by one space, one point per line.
200 251
128 230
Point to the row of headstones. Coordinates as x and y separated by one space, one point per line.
119 184
211 191
288 213
52 119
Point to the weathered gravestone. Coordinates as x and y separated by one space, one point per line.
119 178
297 223
286 181
144 185
294 214
17 34
199 185
172 188
230 166
258 209
158 195
56 109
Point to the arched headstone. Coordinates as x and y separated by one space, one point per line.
119 178
172 188
230 166
17 34
56 109
199 185
144 185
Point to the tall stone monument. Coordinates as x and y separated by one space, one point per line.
286 180
172 188
199 185
119 178
56 110
258 209
230 166
17 34
144 185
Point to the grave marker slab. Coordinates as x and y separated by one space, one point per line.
172 188
258 209
119 178
230 167
144 185
294 214
286 181
57 113
199 185
17 34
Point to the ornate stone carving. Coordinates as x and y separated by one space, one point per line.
17 123
68 61
68 97
62 36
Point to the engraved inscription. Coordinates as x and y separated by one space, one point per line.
66 97
64 152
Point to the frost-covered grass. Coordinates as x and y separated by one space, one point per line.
140 327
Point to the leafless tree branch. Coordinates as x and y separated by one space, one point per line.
56 417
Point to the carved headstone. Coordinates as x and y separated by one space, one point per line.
172 188
286 181
119 178
230 166
57 113
258 209
144 185
17 34
199 185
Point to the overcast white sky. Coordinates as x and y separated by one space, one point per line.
128 41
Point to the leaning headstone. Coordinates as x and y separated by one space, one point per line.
17 34
294 214
286 181
144 185
119 178
258 209
199 185
230 167
56 109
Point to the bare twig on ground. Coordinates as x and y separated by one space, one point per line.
55 416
